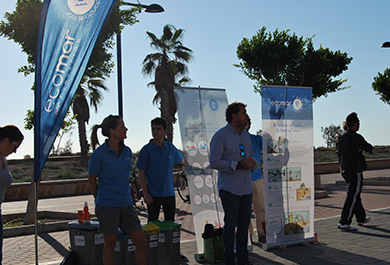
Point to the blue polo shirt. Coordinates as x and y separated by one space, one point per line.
113 175
257 146
158 166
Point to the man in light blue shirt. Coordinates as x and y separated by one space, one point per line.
232 155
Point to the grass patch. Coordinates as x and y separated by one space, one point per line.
22 171
14 223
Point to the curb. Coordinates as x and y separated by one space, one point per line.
42 228
30 229
375 181
320 194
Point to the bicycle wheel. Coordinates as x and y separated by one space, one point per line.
182 188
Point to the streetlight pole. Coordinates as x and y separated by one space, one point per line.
119 69
153 8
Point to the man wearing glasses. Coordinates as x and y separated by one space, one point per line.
232 155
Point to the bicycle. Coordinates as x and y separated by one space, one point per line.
182 187
136 191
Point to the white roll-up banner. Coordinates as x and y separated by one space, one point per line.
287 119
201 113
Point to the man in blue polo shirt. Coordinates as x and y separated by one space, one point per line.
258 187
155 165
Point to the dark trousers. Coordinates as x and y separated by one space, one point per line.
238 210
168 205
353 203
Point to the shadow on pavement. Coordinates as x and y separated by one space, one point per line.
321 254
56 245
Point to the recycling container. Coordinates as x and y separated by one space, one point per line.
168 242
86 242
152 233
120 248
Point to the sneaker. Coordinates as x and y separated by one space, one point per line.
346 227
365 221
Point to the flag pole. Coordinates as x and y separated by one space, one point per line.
36 223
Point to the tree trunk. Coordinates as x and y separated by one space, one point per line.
166 113
29 218
81 108
164 83
83 144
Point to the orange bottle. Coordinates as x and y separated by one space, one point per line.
86 212
80 215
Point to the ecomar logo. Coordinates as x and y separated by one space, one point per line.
213 104
298 104
80 7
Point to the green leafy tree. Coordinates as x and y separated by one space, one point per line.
330 134
381 86
22 25
280 58
66 127
168 65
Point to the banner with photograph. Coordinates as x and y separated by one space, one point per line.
201 113
288 168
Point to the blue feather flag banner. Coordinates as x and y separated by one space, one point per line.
68 32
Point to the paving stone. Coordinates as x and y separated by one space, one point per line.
367 246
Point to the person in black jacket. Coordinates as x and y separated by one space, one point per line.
352 164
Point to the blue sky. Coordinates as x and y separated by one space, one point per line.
213 30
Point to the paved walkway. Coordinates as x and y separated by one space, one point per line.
369 245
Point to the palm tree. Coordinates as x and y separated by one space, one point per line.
90 89
169 67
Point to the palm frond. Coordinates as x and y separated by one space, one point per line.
156 99
95 87
184 80
182 55
148 68
151 84
167 32
177 36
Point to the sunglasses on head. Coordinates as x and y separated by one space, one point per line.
242 153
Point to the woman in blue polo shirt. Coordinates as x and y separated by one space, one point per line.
109 172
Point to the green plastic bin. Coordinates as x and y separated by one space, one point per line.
168 242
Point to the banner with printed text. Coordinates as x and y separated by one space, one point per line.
288 164
67 34
201 113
